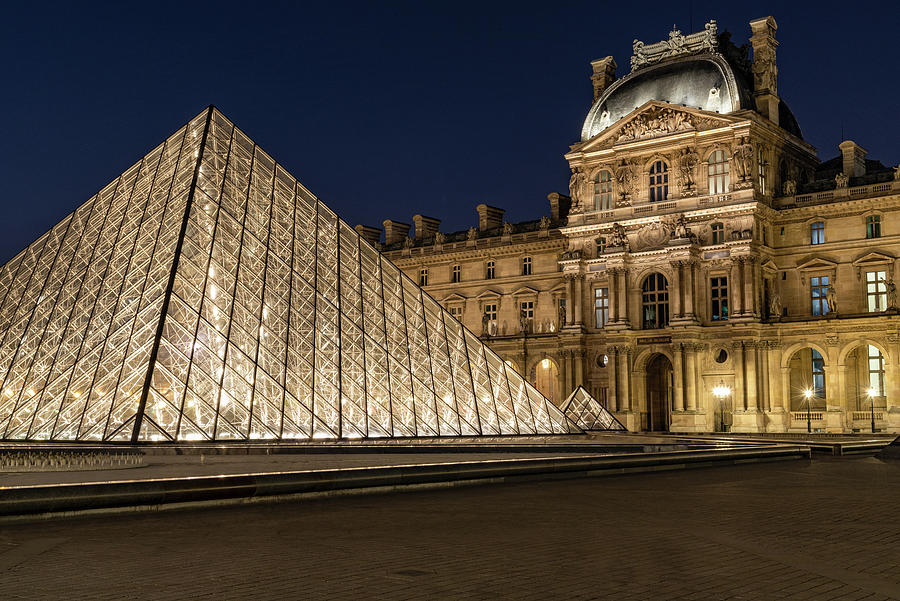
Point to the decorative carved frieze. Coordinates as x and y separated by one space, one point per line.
659 121
677 44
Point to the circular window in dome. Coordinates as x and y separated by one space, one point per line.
602 360
722 356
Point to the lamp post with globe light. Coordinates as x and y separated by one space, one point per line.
721 392
808 394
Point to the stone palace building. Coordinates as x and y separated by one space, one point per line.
706 271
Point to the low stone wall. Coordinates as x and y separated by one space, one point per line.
49 460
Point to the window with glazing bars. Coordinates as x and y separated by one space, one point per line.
655 301
718 294
603 191
423 276
719 181
526 265
659 181
817 232
456 274
818 290
876 370
489 270
601 246
718 233
818 374
601 307
873 226
876 290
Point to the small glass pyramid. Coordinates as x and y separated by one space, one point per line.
207 295
588 413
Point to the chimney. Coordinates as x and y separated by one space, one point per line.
854 157
425 226
489 217
765 68
394 231
559 205
370 234
604 74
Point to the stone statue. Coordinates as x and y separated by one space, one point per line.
681 230
545 223
743 160
561 317
576 190
891 294
897 173
485 324
831 298
439 238
617 238
625 180
775 309
790 188
523 321
507 229
407 242
687 163
472 234
842 179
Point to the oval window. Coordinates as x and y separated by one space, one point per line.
721 356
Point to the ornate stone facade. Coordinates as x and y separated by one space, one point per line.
704 252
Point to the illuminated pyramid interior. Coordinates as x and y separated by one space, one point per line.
205 294
587 412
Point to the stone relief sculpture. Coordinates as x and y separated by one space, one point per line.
659 121
842 179
743 163
765 71
625 180
789 188
439 238
775 308
472 234
681 229
617 237
544 224
507 228
687 165
678 43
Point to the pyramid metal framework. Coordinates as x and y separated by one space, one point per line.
205 294
588 414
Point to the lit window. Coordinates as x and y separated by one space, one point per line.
817 232
818 374
489 270
873 226
762 170
603 191
876 290
423 276
876 370
719 179
818 290
456 274
718 233
655 302
719 296
601 307
601 246
526 265
659 181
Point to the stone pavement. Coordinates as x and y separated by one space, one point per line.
823 530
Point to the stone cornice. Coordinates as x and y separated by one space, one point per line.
486 252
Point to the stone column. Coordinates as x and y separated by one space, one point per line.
678 368
675 290
786 391
749 284
570 298
739 399
776 403
613 371
688 286
752 382
613 301
625 382
578 360
765 399
579 301
622 290
734 287
564 365
690 384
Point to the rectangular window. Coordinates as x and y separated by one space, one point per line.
423 277
719 296
718 233
456 274
456 311
762 168
876 290
490 309
527 308
601 246
489 270
526 265
818 289
873 226
601 307
603 192
818 374
876 370
817 232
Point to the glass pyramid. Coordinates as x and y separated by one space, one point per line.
207 295
588 414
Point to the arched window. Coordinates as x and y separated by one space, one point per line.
659 181
655 301
876 370
719 179
603 191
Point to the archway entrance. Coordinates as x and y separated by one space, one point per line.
659 394
545 377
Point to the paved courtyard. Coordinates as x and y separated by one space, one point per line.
794 530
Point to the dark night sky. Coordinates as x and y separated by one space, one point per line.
385 111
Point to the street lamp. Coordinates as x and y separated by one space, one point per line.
808 394
720 392
872 392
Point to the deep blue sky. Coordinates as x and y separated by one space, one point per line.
389 110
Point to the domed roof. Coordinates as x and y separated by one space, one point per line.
705 82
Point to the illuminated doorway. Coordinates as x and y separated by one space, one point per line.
545 377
